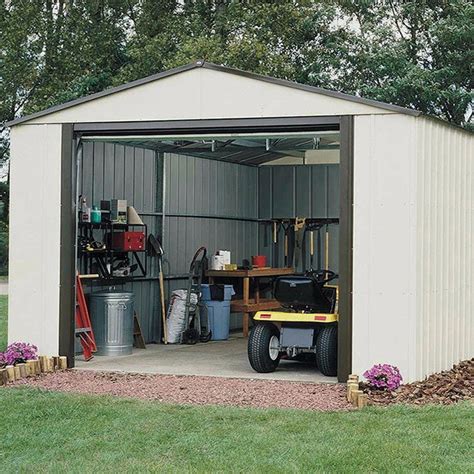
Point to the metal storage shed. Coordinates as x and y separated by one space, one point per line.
405 205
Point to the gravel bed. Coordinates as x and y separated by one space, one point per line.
443 388
196 390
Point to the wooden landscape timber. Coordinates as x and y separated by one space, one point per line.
32 368
357 397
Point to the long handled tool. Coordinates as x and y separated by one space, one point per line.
327 248
298 239
157 250
275 230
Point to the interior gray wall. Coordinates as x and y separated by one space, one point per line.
231 197
226 194
299 191
111 171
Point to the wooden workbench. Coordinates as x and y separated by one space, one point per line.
249 305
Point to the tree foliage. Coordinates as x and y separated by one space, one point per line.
414 53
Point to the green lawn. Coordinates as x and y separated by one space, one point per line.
3 321
56 432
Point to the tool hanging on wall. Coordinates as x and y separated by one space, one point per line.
157 249
327 248
275 231
286 225
299 227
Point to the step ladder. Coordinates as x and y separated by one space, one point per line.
83 323
138 340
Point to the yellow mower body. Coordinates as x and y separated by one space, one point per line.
292 317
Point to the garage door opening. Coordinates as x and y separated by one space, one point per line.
238 192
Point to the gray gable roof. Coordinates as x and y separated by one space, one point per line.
216 67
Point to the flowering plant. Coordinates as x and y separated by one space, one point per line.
384 377
19 352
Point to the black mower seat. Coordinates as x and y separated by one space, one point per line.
304 293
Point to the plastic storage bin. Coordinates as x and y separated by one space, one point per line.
219 319
206 292
218 312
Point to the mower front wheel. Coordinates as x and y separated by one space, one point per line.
263 348
326 351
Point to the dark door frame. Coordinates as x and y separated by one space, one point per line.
71 132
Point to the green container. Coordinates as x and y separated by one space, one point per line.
96 216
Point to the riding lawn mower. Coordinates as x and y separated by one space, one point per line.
305 329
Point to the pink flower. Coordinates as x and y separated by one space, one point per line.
19 352
383 377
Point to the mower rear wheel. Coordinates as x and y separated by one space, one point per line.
263 352
326 351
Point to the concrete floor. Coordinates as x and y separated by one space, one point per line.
215 358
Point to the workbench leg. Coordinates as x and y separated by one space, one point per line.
245 320
257 291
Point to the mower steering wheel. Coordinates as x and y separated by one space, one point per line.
322 276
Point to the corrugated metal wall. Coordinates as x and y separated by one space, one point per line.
445 242
113 171
207 203
310 191
226 194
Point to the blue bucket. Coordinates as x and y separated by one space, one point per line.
219 319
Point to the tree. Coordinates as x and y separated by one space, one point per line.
415 54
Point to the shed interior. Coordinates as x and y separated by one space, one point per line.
219 191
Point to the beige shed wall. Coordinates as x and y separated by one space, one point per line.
384 283
445 246
35 204
205 94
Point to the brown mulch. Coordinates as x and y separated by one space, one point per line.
196 390
448 387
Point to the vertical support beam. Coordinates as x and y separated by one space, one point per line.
67 242
344 356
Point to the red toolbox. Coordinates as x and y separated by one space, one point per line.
128 241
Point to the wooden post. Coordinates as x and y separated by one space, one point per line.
50 364
17 373
354 377
351 386
362 400
43 360
355 396
22 368
11 373
37 367
3 377
62 363
56 362
245 321
30 368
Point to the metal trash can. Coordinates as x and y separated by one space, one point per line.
111 315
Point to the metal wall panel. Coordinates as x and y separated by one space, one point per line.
35 224
112 171
216 190
445 242
384 259
312 191
208 94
